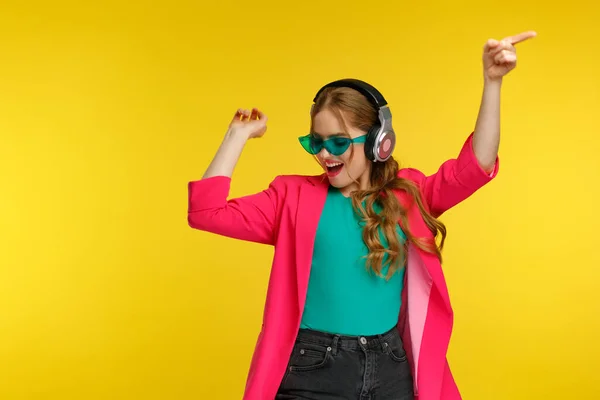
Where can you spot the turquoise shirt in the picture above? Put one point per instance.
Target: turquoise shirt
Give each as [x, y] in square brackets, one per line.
[344, 297]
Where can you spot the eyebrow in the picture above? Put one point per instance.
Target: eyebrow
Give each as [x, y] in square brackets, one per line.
[332, 135]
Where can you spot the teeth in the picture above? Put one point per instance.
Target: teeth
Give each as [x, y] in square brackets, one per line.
[332, 164]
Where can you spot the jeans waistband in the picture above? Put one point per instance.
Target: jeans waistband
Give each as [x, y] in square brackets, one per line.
[349, 342]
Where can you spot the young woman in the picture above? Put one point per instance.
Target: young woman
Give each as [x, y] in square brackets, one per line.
[357, 306]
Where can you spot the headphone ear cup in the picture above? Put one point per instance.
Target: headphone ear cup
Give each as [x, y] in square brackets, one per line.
[387, 143]
[379, 145]
[370, 150]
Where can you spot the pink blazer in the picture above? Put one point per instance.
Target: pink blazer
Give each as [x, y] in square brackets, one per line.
[286, 214]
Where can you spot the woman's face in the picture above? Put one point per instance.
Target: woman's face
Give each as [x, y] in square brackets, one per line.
[342, 170]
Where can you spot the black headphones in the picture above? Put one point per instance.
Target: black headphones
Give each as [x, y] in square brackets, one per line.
[381, 138]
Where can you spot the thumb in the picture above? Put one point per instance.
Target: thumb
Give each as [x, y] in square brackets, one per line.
[490, 45]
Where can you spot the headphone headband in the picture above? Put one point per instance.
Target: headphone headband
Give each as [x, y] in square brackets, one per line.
[367, 90]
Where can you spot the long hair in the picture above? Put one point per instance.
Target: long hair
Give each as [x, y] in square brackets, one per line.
[352, 108]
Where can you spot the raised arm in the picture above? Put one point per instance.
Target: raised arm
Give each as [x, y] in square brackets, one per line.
[477, 162]
[250, 218]
[499, 58]
[245, 125]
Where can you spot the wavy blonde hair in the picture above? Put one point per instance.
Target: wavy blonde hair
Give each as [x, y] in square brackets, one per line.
[352, 108]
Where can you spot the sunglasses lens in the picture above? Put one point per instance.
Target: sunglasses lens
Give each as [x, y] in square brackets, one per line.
[337, 146]
[311, 144]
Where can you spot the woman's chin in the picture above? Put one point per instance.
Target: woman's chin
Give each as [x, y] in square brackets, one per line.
[338, 182]
[344, 181]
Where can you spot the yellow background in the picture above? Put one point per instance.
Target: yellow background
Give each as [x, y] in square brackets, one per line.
[108, 110]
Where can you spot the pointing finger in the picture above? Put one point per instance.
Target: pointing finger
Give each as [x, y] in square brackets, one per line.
[521, 37]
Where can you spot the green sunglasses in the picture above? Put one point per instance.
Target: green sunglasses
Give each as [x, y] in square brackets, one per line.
[335, 145]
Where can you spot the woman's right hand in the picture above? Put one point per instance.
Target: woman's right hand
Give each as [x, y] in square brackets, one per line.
[251, 124]
[244, 125]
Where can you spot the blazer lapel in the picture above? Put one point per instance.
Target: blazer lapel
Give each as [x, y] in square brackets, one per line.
[429, 261]
[310, 205]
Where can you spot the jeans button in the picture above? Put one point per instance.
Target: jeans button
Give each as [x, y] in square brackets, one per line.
[363, 340]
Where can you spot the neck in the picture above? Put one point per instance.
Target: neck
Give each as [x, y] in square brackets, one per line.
[362, 183]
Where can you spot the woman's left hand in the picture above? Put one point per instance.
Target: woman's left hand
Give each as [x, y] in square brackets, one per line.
[500, 57]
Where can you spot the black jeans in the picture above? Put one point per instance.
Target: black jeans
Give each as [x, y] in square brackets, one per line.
[326, 367]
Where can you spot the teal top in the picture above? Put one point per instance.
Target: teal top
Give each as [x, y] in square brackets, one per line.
[344, 297]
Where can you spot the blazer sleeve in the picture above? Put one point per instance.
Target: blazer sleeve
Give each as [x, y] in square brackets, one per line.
[455, 180]
[251, 218]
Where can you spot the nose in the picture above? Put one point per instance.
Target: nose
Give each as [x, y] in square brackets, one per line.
[323, 153]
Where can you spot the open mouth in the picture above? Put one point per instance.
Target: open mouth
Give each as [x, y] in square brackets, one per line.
[333, 168]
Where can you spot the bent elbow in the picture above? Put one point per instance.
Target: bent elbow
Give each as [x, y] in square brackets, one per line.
[197, 220]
